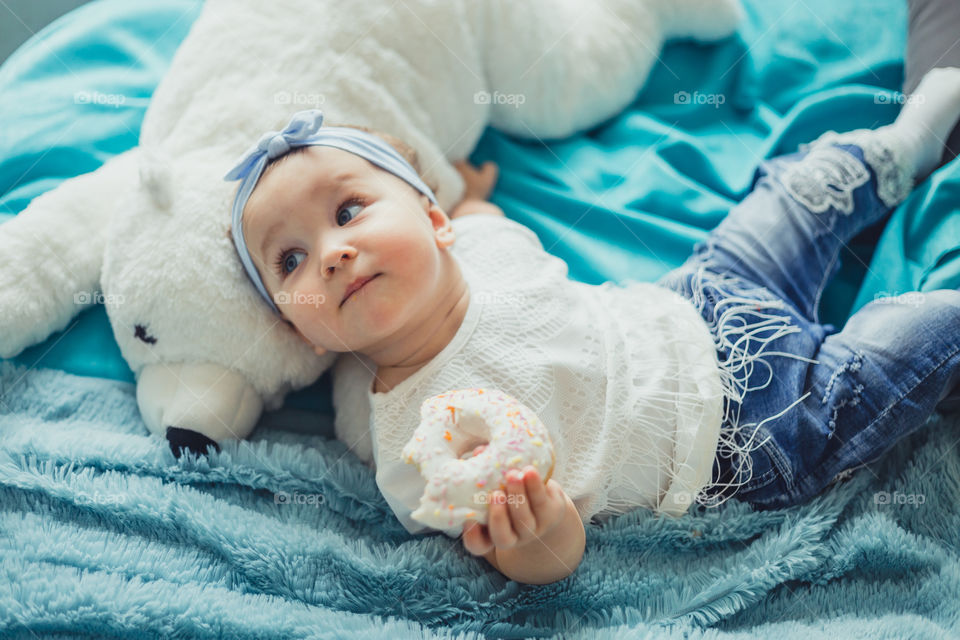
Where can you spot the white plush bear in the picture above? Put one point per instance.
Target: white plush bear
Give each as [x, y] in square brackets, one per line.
[150, 228]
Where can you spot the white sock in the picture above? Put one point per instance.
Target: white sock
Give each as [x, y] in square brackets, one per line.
[926, 120]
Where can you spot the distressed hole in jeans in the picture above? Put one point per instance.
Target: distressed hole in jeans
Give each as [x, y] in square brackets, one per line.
[849, 367]
[826, 177]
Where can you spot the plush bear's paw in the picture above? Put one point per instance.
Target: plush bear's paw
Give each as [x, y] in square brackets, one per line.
[25, 321]
[197, 443]
[701, 19]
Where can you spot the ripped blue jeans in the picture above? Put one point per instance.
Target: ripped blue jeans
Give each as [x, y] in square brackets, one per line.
[805, 405]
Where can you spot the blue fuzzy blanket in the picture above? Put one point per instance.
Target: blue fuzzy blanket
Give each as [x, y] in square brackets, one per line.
[104, 532]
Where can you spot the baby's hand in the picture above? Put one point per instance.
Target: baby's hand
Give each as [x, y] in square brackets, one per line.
[479, 186]
[528, 511]
[479, 182]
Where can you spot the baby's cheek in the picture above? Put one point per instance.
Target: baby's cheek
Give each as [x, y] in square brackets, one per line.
[305, 326]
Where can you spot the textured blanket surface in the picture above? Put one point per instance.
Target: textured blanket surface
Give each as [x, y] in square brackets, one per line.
[103, 532]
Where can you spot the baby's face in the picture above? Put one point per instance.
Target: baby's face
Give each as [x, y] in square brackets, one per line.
[324, 218]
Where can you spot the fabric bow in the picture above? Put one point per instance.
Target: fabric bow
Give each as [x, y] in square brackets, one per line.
[273, 144]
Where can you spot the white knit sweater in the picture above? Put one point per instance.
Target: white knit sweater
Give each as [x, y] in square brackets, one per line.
[625, 377]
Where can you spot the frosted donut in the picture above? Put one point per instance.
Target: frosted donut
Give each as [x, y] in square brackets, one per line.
[442, 447]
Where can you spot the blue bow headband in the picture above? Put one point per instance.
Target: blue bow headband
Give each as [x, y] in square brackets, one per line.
[303, 130]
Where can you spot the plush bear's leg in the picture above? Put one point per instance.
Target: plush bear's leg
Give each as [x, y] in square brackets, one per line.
[556, 67]
[52, 253]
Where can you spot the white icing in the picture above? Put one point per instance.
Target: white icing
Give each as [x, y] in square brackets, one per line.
[454, 423]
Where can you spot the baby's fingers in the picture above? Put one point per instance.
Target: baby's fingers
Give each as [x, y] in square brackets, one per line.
[501, 531]
[490, 171]
[547, 501]
[488, 177]
[536, 491]
[479, 183]
[476, 538]
[467, 170]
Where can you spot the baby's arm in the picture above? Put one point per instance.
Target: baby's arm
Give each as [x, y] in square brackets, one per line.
[534, 534]
[479, 185]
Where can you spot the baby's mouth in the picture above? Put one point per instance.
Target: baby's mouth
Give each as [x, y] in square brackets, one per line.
[353, 288]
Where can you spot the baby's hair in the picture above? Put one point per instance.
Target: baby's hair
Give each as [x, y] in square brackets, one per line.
[407, 152]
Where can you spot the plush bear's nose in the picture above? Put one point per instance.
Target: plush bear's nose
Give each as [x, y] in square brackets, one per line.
[181, 439]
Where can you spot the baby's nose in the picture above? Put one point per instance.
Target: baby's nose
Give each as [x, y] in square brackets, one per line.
[341, 258]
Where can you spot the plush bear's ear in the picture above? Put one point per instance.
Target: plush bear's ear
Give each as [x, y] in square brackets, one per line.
[155, 170]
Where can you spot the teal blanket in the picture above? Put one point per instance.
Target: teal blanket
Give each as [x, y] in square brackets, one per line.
[103, 532]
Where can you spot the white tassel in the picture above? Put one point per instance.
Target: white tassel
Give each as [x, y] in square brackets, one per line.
[737, 369]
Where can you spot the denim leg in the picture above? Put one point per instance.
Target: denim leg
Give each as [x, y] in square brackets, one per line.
[757, 280]
[895, 362]
[787, 233]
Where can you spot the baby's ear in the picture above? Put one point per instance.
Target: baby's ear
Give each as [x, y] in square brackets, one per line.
[442, 228]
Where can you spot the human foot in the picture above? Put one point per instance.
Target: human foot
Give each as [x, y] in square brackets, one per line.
[928, 116]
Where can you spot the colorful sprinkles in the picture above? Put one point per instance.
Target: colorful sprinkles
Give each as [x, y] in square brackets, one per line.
[455, 422]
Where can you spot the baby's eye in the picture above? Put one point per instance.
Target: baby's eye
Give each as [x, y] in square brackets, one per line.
[288, 262]
[347, 207]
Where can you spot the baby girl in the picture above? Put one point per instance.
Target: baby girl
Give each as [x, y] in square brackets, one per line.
[648, 389]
